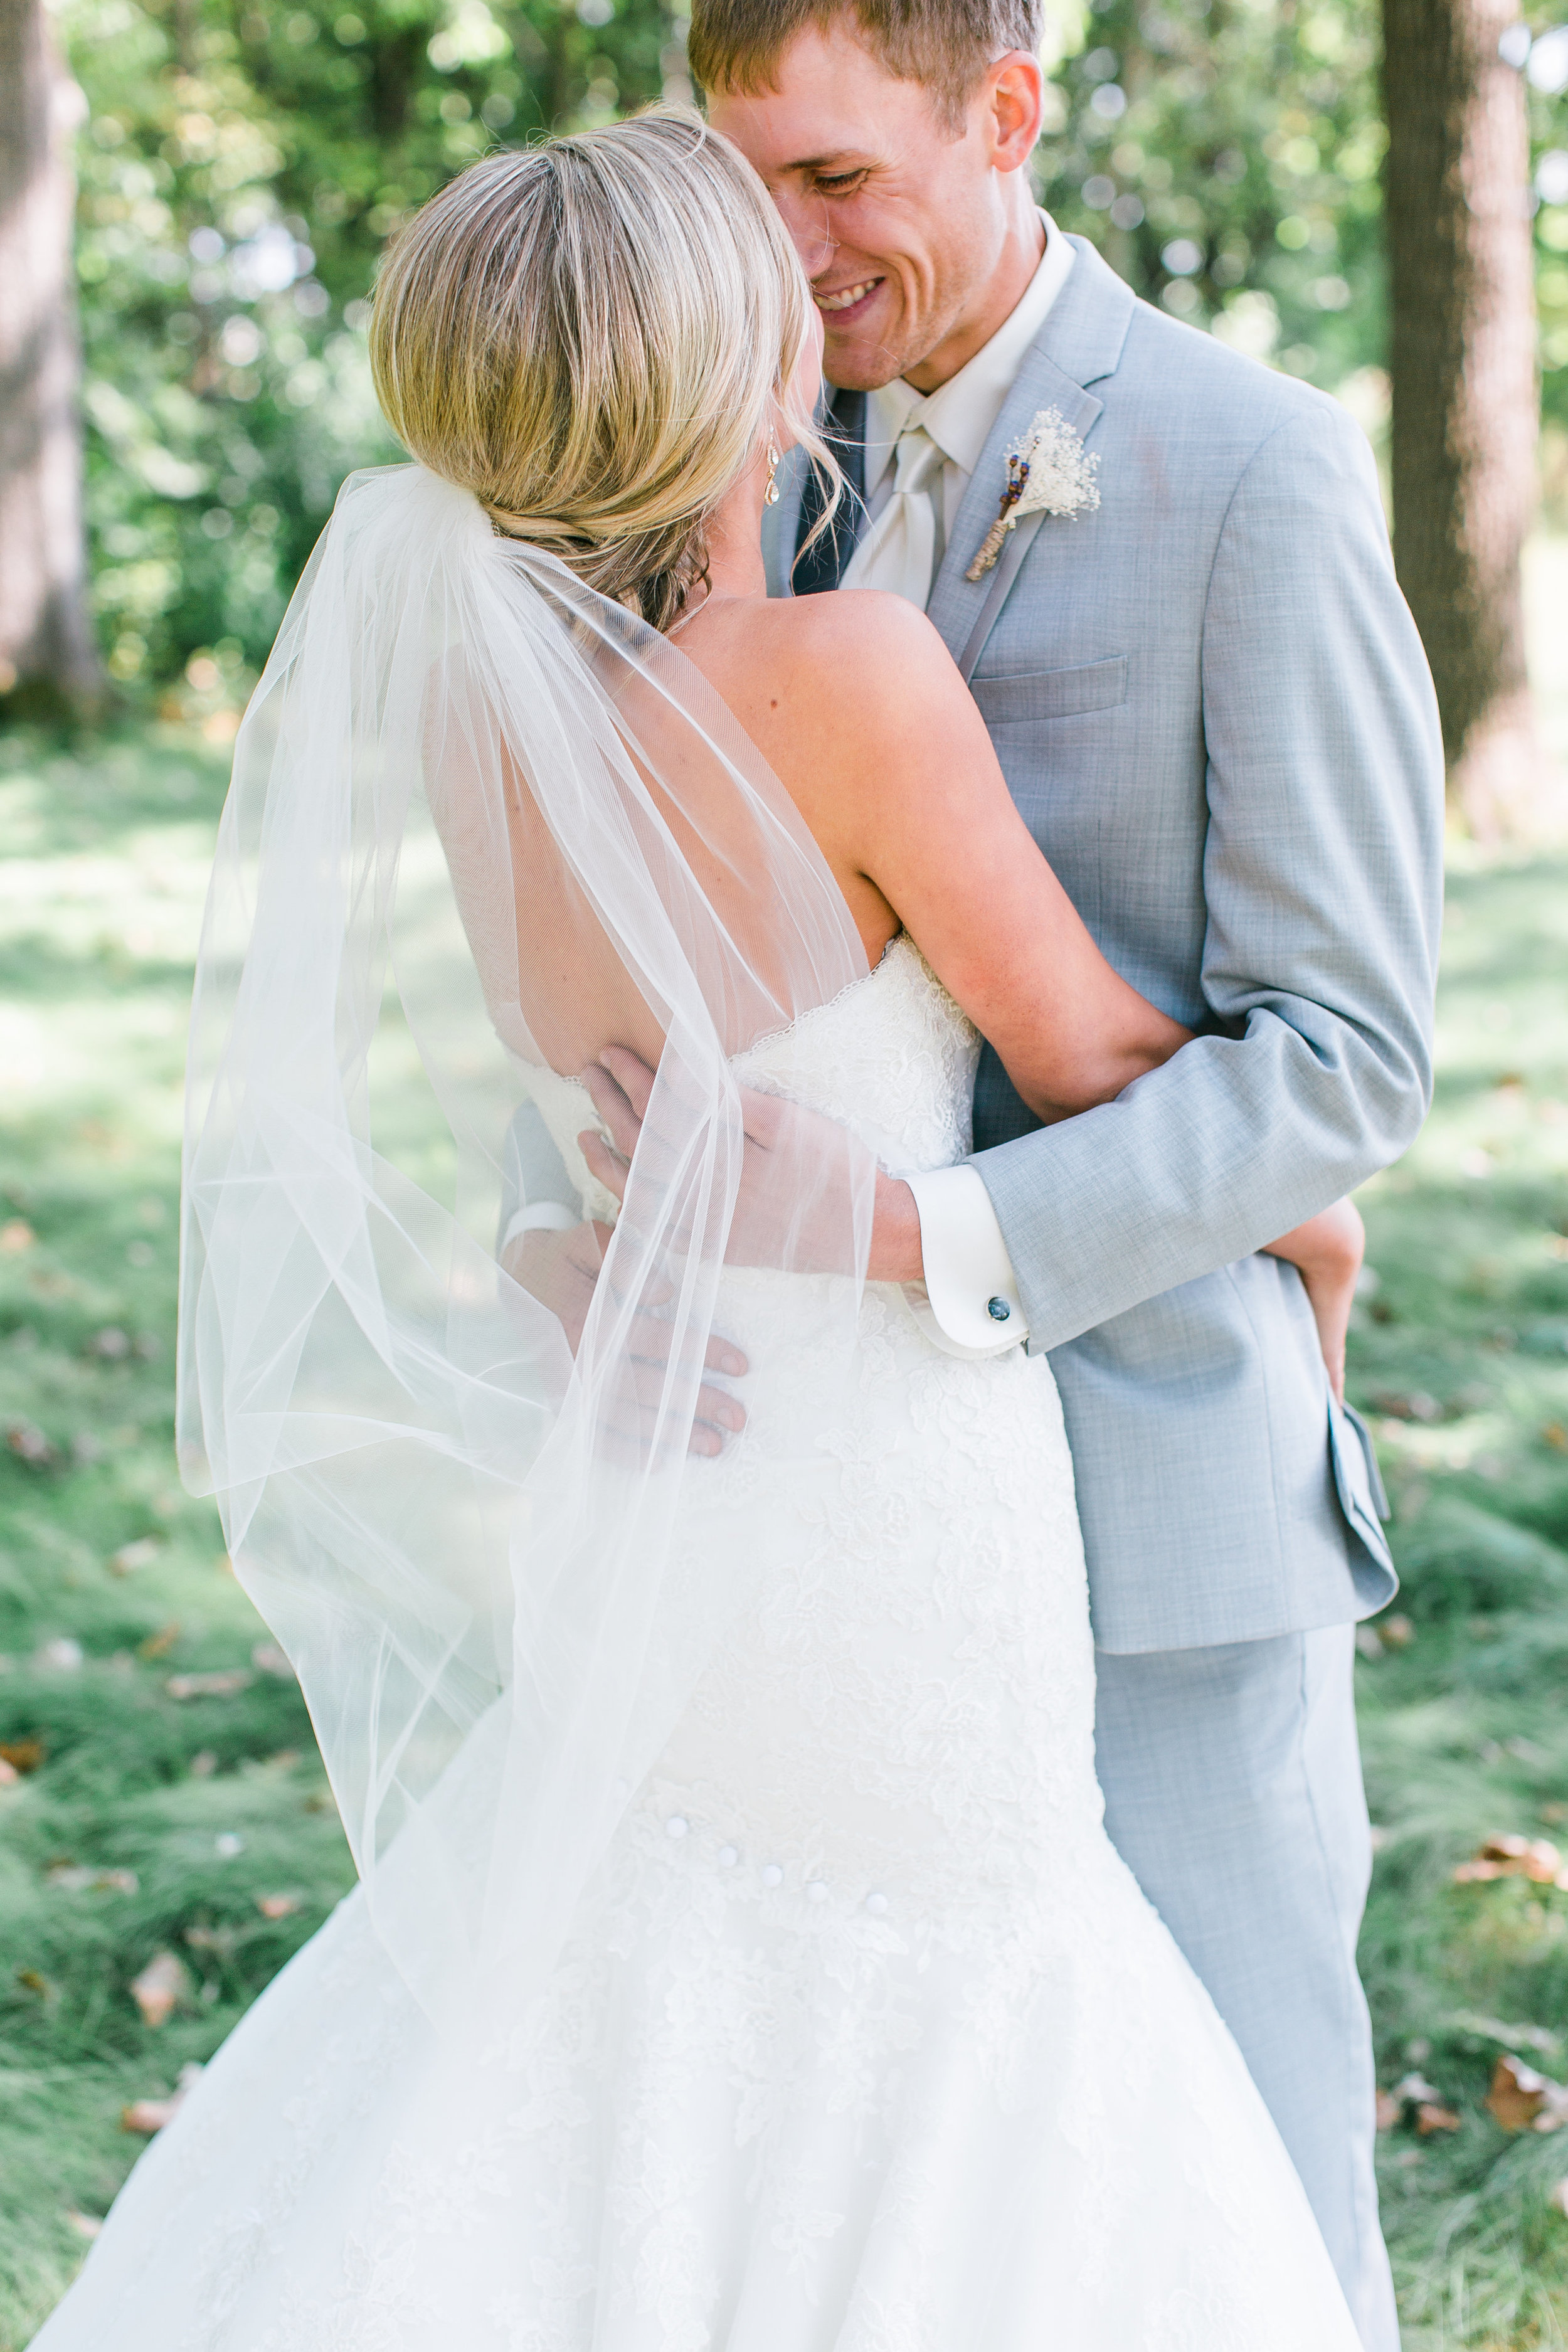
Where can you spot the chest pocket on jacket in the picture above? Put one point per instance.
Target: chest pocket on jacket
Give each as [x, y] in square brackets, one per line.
[1026, 696]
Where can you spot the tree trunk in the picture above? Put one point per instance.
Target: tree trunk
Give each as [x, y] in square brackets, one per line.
[46, 638]
[1466, 406]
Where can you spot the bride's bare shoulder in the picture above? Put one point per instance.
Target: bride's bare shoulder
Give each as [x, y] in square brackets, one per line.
[852, 626]
[830, 678]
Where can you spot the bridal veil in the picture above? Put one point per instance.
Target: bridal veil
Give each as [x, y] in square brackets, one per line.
[484, 823]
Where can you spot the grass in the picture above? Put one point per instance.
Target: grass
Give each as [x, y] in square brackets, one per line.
[112, 1583]
[1462, 1361]
[212, 1803]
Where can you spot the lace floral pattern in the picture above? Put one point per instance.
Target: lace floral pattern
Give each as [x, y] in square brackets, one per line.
[866, 2041]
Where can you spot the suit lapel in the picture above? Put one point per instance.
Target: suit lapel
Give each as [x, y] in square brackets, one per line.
[1079, 344]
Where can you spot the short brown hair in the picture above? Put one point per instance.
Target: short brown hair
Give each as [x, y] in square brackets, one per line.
[945, 44]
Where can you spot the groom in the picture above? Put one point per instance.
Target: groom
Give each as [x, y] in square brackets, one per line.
[1212, 711]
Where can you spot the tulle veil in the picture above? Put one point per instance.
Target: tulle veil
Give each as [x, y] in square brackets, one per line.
[480, 820]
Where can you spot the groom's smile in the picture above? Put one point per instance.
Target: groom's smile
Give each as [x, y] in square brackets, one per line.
[845, 299]
[916, 226]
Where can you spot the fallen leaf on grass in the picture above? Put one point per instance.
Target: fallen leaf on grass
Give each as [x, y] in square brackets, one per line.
[1400, 1407]
[268, 1659]
[1415, 2097]
[61, 1656]
[29, 1444]
[1556, 1436]
[162, 1983]
[220, 1942]
[86, 2225]
[221, 1684]
[80, 1877]
[150, 2115]
[15, 1236]
[1558, 2197]
[1513, 1857]
[159, 1644]
[1385, 1633]
[112, 1342]
[34, 1980]
[142, 1553]
[1521, 2100]
[279, 1906]
[9, 1776]
[22, 1755]
[204, 1764]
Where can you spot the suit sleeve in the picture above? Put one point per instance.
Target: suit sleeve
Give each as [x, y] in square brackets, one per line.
[532, 1171]
[1322, 877]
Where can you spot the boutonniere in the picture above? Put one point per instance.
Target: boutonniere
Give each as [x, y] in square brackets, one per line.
[1048, 472]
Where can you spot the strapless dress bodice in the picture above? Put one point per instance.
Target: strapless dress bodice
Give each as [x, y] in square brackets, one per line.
[892, 1057]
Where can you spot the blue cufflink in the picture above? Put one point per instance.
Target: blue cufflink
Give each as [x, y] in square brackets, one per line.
[999, 1309]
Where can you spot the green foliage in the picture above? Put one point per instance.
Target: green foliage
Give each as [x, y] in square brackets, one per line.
[240, 169]
[244, 160]
[1226, 156]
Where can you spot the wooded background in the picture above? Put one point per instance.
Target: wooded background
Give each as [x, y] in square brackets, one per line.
[1349, 195]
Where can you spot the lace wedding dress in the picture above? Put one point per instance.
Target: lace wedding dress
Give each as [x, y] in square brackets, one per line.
[871, 2042]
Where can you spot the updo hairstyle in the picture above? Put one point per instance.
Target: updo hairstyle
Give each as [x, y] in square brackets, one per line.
[594, 336]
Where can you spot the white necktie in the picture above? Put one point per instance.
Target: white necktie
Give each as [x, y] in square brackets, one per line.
[898, 551]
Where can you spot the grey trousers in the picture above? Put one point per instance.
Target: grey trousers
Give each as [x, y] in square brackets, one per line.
[1232, 1790]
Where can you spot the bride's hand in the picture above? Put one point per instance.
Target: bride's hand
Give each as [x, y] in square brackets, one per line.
[1327, 1252]
[794, 1208]
[562, 1269]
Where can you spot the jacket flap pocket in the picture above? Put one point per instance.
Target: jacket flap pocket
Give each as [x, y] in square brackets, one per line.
[1051, 693]
[1357, 1479]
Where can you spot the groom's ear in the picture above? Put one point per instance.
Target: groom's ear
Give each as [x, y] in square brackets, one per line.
[1011, 106]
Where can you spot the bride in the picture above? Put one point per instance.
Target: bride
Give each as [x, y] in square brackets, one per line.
[701, 1657]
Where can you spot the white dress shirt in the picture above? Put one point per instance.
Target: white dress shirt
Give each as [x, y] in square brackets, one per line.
[968, 1302]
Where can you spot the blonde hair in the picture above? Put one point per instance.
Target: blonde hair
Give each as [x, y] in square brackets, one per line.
[593, 335]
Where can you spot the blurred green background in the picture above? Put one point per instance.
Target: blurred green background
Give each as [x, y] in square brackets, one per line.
[242, 163]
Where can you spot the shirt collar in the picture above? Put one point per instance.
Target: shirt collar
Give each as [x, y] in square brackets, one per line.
[958, 414]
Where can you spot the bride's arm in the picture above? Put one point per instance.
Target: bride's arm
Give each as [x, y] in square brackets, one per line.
[923, 813]
[903, 790]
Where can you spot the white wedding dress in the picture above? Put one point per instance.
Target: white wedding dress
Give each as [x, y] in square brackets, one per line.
[871, 2042]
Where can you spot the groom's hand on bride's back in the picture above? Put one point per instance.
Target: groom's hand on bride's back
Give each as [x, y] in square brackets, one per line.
[562, 1270]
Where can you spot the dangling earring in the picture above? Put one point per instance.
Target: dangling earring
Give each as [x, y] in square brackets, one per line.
[772, 493]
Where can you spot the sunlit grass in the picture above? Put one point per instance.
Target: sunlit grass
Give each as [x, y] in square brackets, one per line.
[1462, 1364]
[100, 1549]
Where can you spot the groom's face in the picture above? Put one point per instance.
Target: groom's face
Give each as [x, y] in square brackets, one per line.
[900, 219]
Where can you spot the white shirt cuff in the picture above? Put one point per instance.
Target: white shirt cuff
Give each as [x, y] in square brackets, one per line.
[968, 1304]
[546, 1216]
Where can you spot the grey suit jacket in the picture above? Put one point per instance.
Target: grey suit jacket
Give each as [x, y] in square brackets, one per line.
[1212, 708]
